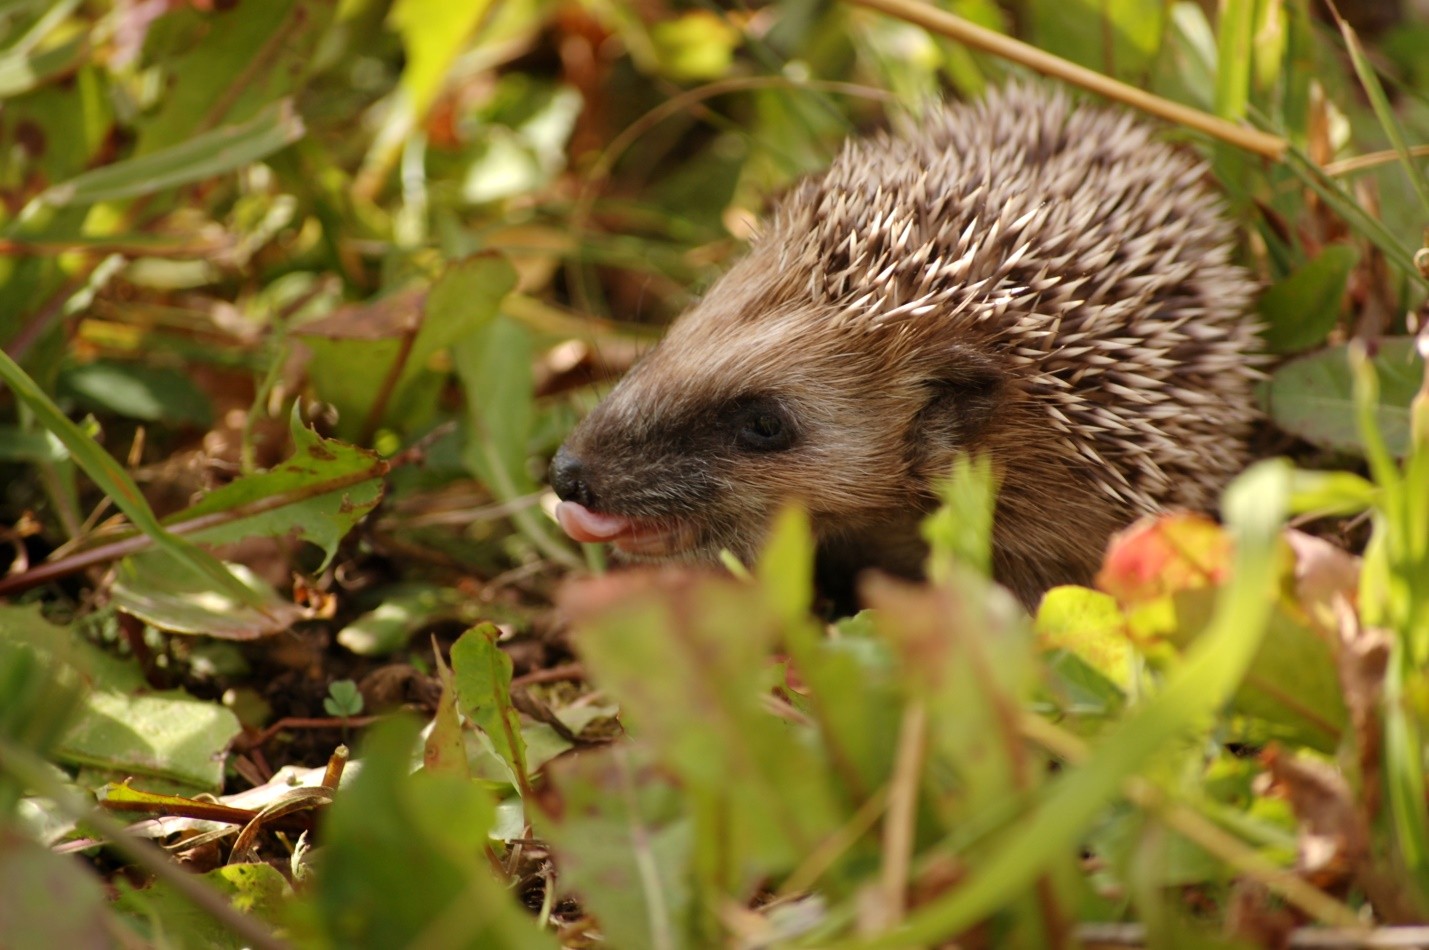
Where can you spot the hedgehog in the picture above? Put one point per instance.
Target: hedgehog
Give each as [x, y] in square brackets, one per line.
[1025, 278]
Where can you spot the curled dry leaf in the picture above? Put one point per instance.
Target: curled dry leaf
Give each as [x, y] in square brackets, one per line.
[1335, 844]
[1334, 836]
[1324, 575]
[1362, 661]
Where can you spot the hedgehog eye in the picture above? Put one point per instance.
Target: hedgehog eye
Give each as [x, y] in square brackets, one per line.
[763, 427]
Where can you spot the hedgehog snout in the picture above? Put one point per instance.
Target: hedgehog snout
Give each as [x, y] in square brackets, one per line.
[568, 479]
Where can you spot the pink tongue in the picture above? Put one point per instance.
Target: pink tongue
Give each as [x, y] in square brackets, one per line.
[582, 524]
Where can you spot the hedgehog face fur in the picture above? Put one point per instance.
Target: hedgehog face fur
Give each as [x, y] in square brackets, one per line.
[1043, 283]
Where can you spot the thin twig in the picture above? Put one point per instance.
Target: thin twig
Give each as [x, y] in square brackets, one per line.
[1359, 163]
[554, 674]
[901, 822]
[305, 722]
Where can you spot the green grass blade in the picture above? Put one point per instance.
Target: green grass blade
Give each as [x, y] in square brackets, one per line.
[1344, 204]
[203, 156]
[115, 482]
[1382, 110]
[1234, 28]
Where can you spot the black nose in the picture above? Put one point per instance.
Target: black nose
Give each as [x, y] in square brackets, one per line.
[568, 478]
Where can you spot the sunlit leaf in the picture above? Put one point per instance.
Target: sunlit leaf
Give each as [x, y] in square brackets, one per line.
[169, 736]
[170, 594]
[317, 494]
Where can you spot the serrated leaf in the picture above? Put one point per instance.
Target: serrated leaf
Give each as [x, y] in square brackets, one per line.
[445, 748]
[317, 494]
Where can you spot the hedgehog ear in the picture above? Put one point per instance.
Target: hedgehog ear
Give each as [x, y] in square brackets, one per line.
[963, 396]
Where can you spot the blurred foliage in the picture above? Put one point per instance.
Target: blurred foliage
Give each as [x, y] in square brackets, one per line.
[299, 297]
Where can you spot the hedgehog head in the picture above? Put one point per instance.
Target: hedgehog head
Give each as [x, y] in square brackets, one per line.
[1047, 286]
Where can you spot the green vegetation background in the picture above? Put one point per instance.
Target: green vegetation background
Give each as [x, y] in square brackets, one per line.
[300, 296]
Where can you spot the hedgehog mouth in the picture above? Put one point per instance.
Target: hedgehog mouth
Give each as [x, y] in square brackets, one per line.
[633, 536]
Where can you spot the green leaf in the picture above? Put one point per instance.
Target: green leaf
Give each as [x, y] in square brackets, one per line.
[1089, 625]
[1119, 37]
[1383, 111]
[169, 736]
[433, 34]
[162, 915]
[390, 823]
[786, 566]
[404, 610]
[445, 748]
[965, 654]
[24, 69]
[342, 699]
[495, 370]
[225, 64]
[206, 155]
[25, 625]
[169, 593]
[317, 494]
[1301, 309]
[1368, 225]
[43, 695]
[1313, 397]
[18, 445]
[1293, 686]
[1234, 29]
[150, 393]
[481, 673]
[697, 45]
[665, 650]
[960, 531]
[48, 900]
[1330, 493]
[621, 826]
